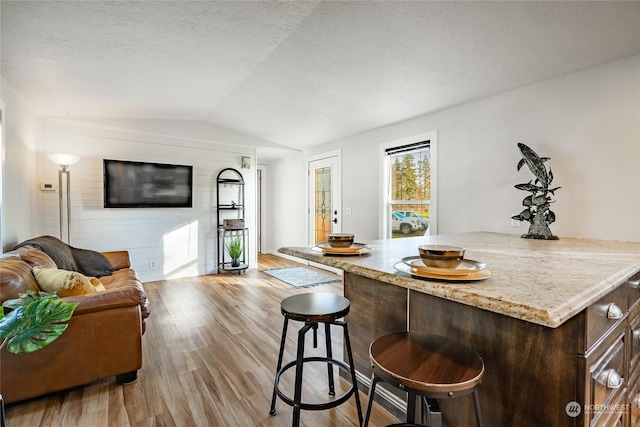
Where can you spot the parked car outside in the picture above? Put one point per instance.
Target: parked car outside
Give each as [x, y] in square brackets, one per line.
[424, 222]
[404, 225]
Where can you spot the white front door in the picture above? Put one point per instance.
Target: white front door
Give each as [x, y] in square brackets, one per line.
[324, 196]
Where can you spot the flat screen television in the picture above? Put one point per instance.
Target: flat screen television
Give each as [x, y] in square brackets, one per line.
[147, 185]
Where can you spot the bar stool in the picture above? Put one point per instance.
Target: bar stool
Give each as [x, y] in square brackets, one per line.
[426, 366]
[314, 308]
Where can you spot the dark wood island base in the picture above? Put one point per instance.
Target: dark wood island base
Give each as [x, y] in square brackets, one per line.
[530, 370]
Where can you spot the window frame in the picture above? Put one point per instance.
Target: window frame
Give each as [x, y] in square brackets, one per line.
[384, 230]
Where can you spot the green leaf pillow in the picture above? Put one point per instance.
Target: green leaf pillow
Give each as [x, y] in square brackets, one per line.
[32, 327]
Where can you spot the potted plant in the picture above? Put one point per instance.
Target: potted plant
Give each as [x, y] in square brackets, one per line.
[235, 249]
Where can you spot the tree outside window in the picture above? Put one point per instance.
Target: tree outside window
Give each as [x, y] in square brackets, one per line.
[410, 176]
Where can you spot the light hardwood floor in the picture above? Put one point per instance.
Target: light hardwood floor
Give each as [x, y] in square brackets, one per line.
[209, 357]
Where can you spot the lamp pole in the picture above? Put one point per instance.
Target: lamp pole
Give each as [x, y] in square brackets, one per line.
[64, 160]
[63, 171]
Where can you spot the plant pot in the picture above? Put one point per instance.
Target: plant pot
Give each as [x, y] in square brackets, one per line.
[235, 262]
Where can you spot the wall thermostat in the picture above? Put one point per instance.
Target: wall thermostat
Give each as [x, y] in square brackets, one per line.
[48, 186]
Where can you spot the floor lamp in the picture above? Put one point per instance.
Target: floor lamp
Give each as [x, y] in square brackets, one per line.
[64, 160]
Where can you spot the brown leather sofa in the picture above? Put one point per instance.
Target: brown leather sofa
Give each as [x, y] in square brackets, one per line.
[104, 337]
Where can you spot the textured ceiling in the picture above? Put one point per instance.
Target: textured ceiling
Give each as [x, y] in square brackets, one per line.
[296, 73]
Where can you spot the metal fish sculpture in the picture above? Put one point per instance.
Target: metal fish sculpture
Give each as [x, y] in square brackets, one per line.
[535, 164]
[537, 205]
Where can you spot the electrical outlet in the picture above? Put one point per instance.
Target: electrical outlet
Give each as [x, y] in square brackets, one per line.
[515, 223]
[152, 264]
[348, 211]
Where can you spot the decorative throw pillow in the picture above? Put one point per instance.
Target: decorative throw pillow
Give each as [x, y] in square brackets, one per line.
[66, 283]
[97, 284]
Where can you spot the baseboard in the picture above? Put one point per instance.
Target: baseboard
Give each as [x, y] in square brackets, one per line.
[289, 257]
[309, 263]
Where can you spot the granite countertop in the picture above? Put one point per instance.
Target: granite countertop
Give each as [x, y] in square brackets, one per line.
[539, 281]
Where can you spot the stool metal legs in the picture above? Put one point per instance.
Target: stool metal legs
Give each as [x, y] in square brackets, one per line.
[431, 411]
[297, 395]
[327, 335]
[296, 402]
[280, 354]
[429, 406]
[476, 404]
[372, 391]
[352, 368]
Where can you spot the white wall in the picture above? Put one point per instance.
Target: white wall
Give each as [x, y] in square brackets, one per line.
[27, 212]
[19, 168]
[287, 203]
[587, 122]
[183, 241]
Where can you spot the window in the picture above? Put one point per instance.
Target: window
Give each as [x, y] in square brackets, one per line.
[408, 188]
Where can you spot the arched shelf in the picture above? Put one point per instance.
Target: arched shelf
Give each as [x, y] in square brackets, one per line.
[230, 221]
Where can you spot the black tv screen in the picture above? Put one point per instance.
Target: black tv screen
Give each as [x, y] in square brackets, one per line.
[147, 185]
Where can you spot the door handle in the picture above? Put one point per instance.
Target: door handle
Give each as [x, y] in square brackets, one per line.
[335, 218]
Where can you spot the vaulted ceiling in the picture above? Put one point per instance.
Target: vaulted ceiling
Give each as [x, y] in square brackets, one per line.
[297, 73]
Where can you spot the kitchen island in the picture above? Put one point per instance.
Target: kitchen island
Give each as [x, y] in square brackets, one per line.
[541, 322]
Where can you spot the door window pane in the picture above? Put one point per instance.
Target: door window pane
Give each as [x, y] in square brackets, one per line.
[323, 204]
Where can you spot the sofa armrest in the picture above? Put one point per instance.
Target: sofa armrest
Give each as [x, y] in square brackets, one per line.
[118, 259]
[113, 298]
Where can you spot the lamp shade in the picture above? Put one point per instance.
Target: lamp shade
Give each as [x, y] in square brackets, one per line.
[63, 159]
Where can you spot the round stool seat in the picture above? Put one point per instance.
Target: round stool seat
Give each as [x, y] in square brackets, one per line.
[428, 367]
[427, 362]
[315, 307]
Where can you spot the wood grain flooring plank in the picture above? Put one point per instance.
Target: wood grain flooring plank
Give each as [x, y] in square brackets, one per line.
[209, 358]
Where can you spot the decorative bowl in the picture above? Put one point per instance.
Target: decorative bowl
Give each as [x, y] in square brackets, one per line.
[441, 256]
[340, 240]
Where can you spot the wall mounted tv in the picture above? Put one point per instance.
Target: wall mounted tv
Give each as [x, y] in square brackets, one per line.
[147, 185]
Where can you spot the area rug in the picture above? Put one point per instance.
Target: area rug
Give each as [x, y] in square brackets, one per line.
[301, 277]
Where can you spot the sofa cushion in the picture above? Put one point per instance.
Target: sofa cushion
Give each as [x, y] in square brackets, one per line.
[34, 257]
[66, 283]
[15, 278]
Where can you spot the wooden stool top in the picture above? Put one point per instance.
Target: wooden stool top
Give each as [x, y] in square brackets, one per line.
[315, 307]
[427, 362]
